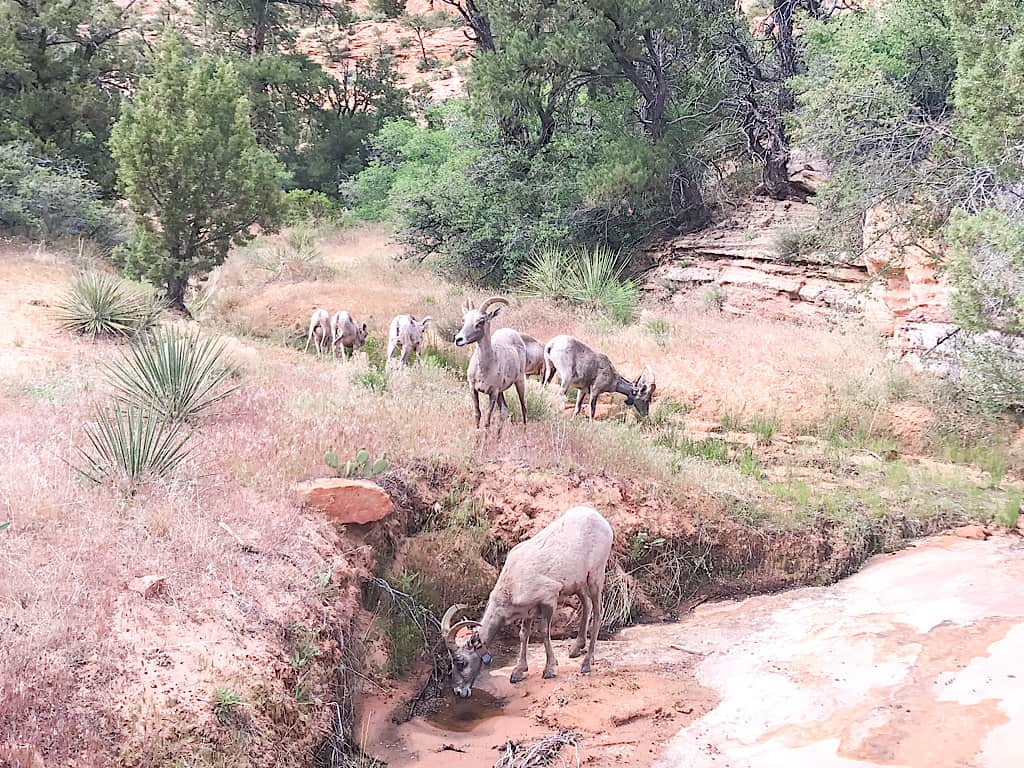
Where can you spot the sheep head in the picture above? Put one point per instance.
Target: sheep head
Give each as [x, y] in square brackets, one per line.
[643, 391]
[467, 650]
[475, 322]
[361, 333]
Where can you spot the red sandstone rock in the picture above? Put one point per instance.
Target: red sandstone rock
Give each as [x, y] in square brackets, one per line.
[346, 501]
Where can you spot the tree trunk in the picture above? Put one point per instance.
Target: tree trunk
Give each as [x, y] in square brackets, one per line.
[176, 287]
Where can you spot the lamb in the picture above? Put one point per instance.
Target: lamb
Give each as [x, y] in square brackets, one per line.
[534, 356]
[406, 334]
[568, 557]
[345, 331]
[499, 361]
[592, 374]
[319, 332]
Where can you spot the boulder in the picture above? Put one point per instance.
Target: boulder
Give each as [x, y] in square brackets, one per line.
[976, 532]
[147, 586]
[346, 501]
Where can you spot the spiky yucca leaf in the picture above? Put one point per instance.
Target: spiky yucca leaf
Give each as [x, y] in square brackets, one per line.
[98, 304]
[179, 375]
[132, 443]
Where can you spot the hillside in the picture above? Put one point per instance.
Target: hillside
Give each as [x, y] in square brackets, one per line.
[788, 453]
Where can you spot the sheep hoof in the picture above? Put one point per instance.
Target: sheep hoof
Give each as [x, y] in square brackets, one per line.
[548, 674]
[585, 669]
[517, 677]
[575, 653]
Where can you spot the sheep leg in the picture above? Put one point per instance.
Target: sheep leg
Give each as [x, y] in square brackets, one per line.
[521, 391]
[581, 639]
[490, 411]
[476, 405]
[524, 639]
[596, 595]
[309, 338]
[593, 404]
[579, 403]
[547, 612]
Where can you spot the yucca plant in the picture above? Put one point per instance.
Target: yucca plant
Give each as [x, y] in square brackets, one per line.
[99, 304]
[594, 279]
[130, 444]
[598, 280]
[178, 375]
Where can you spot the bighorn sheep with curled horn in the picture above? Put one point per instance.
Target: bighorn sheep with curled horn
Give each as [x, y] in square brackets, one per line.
[593, 374]
[346, 332]
[319, 332]
[406, 334]
[568, 557]
[499, 361]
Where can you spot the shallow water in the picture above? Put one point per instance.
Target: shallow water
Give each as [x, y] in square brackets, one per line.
[461, 715]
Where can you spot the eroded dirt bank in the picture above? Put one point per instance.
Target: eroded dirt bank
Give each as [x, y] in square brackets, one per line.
[910, 662]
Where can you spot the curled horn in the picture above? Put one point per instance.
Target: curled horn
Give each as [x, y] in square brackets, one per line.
[453, 631]
[494, 300]
[426, 320]
[446, 620]
[648, 375]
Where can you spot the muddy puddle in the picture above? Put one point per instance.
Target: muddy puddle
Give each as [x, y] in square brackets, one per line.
[461, 715]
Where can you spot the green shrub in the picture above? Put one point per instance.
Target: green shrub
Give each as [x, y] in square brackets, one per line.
[1010, 513]
[792, 243]
[177, 375]
[714, 298]
[765, 427]
[98, 304]
[225, 704]
[42, 198]
[308, 205]
[593, 279]
[130, 444]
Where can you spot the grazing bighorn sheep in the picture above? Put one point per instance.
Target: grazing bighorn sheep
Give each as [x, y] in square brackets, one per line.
[499, 361]
[406, 334]
[593, 374]
[534, 356]
[319, 331]
[568, 557]
[345, 331]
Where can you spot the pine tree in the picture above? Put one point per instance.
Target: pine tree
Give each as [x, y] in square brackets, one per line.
[188, 163]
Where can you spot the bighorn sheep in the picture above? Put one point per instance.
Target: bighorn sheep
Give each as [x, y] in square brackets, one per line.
[345, 331]
[568, 557]
[499, 361]
[534, 356]
[319, 331]
[406, 334]
[593, 374]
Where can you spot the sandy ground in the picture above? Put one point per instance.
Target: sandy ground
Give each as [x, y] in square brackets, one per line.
[913, 662]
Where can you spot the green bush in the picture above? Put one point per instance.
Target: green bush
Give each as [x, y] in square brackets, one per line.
[177, 375]
[43, 198]
[593, 279]
[99, 304]
[308, 205]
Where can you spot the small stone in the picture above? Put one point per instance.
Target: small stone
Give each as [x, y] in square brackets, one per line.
[346, 501]
[975, 532]
[148, 586]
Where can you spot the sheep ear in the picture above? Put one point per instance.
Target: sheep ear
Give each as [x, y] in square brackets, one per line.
[467, 305]
[364, 326]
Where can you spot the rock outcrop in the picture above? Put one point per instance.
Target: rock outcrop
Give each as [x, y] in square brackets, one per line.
[346, 501]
